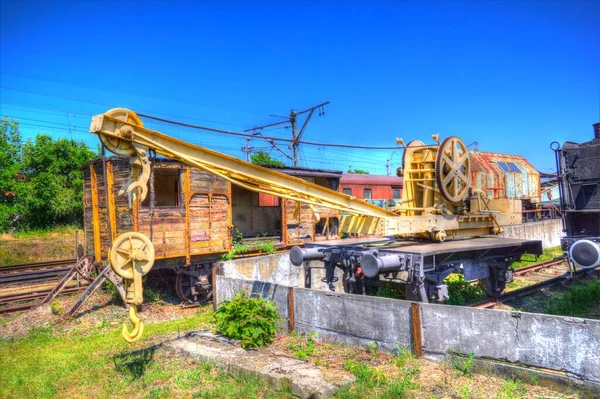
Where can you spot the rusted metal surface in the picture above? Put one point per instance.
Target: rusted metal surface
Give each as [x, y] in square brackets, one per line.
[415, 316]
[504, 176]
[291, 320]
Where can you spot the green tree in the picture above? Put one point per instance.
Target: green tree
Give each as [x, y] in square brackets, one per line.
[263, 159]
[54, 180]
[11, 158]
[358, 171]
[41, 184]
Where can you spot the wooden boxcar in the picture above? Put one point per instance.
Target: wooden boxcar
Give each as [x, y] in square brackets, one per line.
[196, 215]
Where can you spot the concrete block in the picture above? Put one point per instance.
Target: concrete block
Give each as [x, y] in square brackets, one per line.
[278, 269]
[483, 332]
[560, 343]
[353, 319]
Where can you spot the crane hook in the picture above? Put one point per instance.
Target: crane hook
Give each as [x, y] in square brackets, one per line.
[138, 326]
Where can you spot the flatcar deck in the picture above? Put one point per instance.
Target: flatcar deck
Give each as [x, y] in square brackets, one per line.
[427, 248]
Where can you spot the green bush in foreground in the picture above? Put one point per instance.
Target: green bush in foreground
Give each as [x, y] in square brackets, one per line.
[251, 320]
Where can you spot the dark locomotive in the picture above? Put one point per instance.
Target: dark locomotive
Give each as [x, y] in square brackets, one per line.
[578, 170]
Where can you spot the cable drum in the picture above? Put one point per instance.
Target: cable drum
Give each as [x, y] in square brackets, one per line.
[585, 253]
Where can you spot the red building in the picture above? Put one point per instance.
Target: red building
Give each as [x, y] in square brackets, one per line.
[373, 187]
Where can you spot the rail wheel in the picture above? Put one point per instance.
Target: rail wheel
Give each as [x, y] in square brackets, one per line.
[193, 284]
[114, 144]
[453, 170]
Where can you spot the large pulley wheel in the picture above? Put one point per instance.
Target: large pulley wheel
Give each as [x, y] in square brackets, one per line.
[453, 170]
[129, 251]
[114, 144]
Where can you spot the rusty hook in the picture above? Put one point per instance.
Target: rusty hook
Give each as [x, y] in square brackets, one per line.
[138, 326]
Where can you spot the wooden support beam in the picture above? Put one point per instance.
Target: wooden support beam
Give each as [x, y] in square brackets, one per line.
[187, 197]
[415, 314]
[291, 320]
[214, 285]
[112, 214]
[95, 215]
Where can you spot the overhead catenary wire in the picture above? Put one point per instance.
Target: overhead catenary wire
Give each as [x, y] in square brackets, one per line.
[239, 134]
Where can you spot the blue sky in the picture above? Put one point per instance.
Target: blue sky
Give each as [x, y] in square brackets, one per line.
[512, 76]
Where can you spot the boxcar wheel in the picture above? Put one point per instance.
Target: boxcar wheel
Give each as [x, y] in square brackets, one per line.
[194, 285]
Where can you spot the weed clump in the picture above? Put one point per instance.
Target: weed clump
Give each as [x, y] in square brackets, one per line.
[250, 320]
[56, 307]
[302, 348]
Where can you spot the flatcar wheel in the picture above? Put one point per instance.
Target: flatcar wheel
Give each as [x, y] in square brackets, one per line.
[493, 287]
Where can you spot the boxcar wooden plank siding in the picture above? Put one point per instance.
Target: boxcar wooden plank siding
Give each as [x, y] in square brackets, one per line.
[198, 220]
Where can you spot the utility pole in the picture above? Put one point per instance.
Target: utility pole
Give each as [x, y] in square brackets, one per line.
[295, 145]
[292, 119]
[247, 149]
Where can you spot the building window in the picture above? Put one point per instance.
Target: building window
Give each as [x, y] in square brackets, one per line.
[347, 191]
[367, 193]
[514, 167]
[166, 188]
[504, 166]
[396, 193]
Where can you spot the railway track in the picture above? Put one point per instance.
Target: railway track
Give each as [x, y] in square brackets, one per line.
[532, 288]
[53, 264]
[23, 286]
[18, 303]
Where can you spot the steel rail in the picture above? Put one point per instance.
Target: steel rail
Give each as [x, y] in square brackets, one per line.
[33, 266]
[530, 289]
[538, 266]
[30, 297]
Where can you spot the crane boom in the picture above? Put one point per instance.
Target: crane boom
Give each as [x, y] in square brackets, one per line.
[122, 131]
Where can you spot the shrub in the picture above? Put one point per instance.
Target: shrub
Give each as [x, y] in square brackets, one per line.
[251, 320]
[462, 292]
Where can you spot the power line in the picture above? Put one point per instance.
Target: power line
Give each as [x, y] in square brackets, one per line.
[266, 137]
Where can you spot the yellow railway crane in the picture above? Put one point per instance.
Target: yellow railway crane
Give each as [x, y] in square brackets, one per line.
[437, 201]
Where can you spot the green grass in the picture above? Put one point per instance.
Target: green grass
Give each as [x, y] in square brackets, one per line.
[579, 300]
[547, 254]
[101, 364]
[42, 233]
[372, 383]
[38, 245]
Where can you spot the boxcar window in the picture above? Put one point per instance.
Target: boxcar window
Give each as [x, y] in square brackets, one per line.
[347, 191]
[367, 193]
[514, 167]
[166, 188]
[396, 193]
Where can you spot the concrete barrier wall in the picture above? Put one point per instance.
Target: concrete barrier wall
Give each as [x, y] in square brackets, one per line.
[277, 268]
[551, 342]
[549, 231]
[353, 319]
